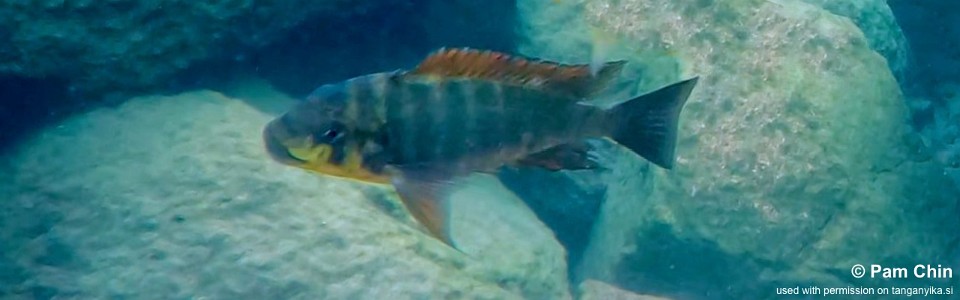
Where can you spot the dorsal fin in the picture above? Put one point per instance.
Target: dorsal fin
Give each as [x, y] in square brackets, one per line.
[573, 80]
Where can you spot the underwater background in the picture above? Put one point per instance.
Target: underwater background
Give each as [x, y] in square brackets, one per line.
[822, 134]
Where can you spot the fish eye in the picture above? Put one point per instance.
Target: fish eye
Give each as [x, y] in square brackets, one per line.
[331, 134]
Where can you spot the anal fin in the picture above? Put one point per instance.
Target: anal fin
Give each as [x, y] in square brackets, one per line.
[571, 156]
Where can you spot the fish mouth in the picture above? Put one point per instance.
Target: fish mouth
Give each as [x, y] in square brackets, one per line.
[277, 150]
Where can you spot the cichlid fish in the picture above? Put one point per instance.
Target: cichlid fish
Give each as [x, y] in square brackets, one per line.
[462, 111]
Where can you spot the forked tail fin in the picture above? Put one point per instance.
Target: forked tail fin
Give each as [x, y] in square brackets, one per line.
[647, 124]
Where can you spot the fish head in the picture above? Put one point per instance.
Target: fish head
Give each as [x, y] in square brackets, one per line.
[316, 136]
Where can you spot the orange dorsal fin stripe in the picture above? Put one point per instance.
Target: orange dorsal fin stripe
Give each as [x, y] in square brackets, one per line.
[573, 80]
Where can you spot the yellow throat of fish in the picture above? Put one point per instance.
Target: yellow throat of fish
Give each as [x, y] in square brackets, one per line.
[317, 159]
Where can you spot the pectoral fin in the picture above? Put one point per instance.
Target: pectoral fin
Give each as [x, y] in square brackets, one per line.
[425, 195]
[572, 156]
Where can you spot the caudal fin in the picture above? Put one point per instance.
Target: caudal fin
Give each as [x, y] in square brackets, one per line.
[647, 124]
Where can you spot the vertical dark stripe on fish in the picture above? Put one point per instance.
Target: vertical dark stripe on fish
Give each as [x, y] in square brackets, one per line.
[484, 117]
[407, 121]
[455, 121]
[468, 116]
[493, 122]
[396, 95]
[379, 87]
[509, 131]
[421, 128]
[527, 116]
[545, 126]
[438, 125]
[555, 119]
[351, 113]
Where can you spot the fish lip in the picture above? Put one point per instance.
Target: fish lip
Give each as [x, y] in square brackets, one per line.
[277, 151]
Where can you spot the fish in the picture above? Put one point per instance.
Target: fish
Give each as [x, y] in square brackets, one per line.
[462, 111]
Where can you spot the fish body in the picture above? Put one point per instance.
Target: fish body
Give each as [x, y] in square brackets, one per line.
[470, 125]
[466, 111]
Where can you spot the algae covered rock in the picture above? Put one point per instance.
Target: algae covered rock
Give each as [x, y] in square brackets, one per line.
[879, 25]
[791, 166]
[128, 44]
[173, 197]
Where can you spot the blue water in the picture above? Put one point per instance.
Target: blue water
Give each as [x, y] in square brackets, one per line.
[109, 192]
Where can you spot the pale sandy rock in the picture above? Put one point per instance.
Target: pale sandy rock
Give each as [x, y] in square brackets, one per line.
[173, 197]
[596, 290]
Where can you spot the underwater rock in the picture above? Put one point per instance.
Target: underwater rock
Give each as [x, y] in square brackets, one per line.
[934, 31]
[175, 197]
[596, 290]
[103, 46]
[879, 25]
[933, 90]
[791, 165]
[940, 138]
[571, 219]
[395, 34]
